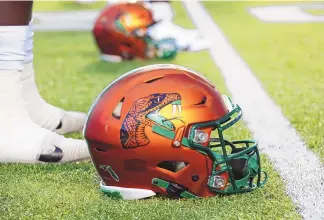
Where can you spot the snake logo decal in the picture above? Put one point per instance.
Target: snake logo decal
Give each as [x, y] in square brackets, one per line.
[145, 112]
[128, 22]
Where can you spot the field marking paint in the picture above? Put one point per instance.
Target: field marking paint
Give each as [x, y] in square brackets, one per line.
[65, 21]
[300, 168]
[287, 13]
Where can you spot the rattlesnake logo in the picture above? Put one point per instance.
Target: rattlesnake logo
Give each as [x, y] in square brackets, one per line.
[129, 23]
[145, 112]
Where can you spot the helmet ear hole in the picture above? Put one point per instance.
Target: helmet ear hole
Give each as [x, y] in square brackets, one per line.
[100, 149]
[127, 44]
[126, 55]
[173, 166]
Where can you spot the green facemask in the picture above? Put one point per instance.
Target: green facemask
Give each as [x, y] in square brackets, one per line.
[242, 164]
[164, 49]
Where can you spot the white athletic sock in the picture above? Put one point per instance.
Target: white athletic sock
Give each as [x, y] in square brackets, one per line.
[12, 43]
[21, 140]
[17, 144]
[41, 112]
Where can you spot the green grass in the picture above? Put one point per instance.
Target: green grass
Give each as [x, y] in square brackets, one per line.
[70, 75]
[315, 11]
[287, 59]
[40, 6]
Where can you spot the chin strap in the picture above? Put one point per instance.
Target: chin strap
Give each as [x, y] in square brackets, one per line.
[239, 183]
[173, 189]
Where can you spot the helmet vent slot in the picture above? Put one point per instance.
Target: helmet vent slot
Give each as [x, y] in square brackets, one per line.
[203, 101]
[100, 150]
[117, 110]
[154, 79]
[173, 166]
[127, 44]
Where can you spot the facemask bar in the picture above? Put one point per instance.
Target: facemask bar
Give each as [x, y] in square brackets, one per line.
[250, 153]
[164, 49]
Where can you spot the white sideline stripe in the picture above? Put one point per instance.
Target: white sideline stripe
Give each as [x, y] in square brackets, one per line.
[300, 169]
[285, 13]
[65, 20]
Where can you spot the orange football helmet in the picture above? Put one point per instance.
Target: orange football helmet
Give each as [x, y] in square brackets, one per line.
[151, 131]
[121, 33]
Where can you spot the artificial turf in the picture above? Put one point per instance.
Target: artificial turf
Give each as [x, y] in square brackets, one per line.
[43, 6]
[315, 11]
[288, 61]
[70, 75]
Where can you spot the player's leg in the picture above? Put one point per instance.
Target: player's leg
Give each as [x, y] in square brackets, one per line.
[21, 140]
[42, 113]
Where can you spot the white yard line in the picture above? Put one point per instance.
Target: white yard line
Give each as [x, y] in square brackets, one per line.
[300, 169]
[287, 13]
[65, 21]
